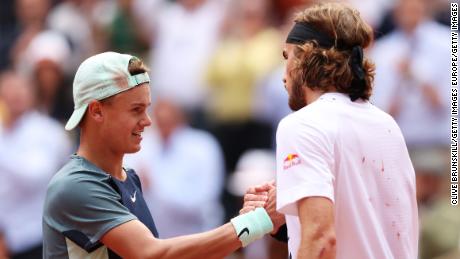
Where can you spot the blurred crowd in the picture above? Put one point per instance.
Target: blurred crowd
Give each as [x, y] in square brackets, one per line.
[216, 69]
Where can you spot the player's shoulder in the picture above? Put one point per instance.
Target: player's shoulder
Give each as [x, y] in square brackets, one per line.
[77, 176]
[319, 113]
[381, 115]
[78, 169]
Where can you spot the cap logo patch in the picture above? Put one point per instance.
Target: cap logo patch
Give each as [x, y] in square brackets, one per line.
[121, 81]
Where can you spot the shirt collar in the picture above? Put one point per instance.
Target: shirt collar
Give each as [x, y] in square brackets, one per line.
[335, 96]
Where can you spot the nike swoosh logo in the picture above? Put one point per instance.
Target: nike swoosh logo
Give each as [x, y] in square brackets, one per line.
[244, 230]
[133, 198]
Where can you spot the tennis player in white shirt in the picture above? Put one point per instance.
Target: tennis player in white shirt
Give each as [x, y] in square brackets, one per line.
[345, 182]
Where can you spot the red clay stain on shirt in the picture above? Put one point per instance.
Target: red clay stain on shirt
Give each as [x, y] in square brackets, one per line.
[398, 235]
[363, 160]
[383, 168]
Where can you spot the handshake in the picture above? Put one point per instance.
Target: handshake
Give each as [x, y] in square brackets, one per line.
[264, 196]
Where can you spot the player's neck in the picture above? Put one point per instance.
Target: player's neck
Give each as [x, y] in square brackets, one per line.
[101, 156]
[311, 95]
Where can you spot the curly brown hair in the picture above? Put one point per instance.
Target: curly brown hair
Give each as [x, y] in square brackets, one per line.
[328, 69]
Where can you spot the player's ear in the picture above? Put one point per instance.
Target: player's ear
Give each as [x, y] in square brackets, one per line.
[95, 110]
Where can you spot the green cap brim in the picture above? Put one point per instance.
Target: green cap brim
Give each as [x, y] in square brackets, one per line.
[76, 117]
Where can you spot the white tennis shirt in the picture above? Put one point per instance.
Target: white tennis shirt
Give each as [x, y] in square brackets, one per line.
[355, 155]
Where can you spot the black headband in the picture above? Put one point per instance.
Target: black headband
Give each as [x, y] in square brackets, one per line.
[302, 32]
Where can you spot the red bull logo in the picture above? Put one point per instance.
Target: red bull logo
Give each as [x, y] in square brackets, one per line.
[290, 161]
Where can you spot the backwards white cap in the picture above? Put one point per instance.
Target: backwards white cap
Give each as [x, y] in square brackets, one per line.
[100, 77]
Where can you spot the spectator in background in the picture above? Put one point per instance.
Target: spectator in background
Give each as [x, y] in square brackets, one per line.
[412, 79]
[9, 31]
[255, 167]
[372, 11]
[439, 220]
[283, 8]
[98, 25]
[182, 172]
[32, 148]
[77, 20]
[249, 51]
[439, 10]
[122, 33]
[2, 110]
[431, 168]
[183, 35]
[45, 62]
[270, 101]
[440, 229]
[31, 15]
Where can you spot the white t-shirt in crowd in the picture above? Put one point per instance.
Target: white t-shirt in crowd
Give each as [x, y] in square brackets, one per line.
[182, 179]
[355, 155]
[426, 51]
[30, 153]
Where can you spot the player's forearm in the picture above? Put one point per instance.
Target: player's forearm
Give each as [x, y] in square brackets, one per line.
[318, 237]
[134, 240]
[317, 246]
[221, 241]
[216, 243]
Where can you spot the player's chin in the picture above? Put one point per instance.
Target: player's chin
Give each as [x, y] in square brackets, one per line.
[133, 148]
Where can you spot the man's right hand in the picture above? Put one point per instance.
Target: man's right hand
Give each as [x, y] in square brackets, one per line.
[264, 196]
